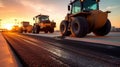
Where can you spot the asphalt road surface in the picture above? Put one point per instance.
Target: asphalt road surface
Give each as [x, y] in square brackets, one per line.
[113, 38]
[40, 51]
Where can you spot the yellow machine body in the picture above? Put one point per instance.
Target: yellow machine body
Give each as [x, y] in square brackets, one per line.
[97, 19]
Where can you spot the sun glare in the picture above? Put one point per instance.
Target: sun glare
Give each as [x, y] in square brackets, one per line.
[8, 26]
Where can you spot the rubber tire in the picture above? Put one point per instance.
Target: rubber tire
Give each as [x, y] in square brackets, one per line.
[25, 31]
[46, 31]
[51, 30]
[37, 29]
[79, 27]
[33, 30]
[21, 30]
[64, 28]
[104, 30]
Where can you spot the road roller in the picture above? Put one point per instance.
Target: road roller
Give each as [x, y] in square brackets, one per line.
[43, 23]
[84, 17]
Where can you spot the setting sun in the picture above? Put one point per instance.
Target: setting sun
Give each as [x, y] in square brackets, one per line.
[8, 26]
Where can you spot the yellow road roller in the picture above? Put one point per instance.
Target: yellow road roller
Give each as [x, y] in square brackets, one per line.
[85, 17]
[43, 23]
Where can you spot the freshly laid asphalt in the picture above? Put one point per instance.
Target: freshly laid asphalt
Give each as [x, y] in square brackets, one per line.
[38, 51]
[7, 58]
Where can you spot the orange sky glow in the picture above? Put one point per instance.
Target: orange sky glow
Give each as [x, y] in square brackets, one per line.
[25, 10]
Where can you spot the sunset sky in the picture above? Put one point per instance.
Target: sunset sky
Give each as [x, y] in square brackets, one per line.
[25, 10]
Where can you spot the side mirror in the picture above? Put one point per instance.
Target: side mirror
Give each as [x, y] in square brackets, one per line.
[108, 11]
[68, 7]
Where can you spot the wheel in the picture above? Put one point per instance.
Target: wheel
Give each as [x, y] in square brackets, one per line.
[51, 30]
[33, 30]
[25, 31]
[64, 28]
[79, 27]
[21, 30]
[104, 30]
[37, 29]
[46, 31]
